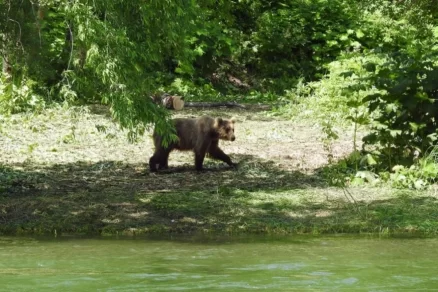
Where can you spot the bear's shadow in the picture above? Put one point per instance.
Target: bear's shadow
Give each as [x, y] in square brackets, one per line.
[191, 169]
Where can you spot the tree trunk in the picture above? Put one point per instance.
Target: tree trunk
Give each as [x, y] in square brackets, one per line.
[6, 66]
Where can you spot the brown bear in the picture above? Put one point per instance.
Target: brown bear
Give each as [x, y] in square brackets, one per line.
[200, 135]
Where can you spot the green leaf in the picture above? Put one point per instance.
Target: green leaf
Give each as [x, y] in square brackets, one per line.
[430, 169]
[395, 133]
[432, 137]
[391, 107]
[344, 37]
[359, 33]
[415, 127]
[371, 160]
[199, 51]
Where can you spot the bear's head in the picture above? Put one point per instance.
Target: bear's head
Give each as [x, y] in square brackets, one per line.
[225, 128]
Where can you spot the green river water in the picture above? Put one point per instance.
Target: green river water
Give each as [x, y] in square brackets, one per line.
[295, 263]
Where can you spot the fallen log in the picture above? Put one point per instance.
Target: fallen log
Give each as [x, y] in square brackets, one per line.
[228, 104]
[174, 102]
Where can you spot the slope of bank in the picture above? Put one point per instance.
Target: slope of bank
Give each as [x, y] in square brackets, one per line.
[74, 172]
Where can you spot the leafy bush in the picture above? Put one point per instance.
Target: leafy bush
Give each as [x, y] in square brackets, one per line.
[192, 91]
[21, 97]
[338, 96]
[93, 50]
[406, 102]
[307, 34]
[388, 84]
[205, 91]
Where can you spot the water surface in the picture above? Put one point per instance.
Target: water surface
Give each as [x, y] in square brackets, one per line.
[274, 264]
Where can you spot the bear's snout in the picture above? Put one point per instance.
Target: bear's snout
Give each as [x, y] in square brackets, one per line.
[233, 138]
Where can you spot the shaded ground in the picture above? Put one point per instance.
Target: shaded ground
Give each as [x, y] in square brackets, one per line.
[62, 173]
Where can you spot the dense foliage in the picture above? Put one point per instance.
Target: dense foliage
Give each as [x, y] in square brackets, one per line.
[106, 51]
[388, 83]
[372, 62]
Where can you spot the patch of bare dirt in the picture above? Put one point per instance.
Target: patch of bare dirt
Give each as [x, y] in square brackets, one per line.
[89, 136]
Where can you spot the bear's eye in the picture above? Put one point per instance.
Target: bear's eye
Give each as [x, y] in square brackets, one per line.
[227, 130]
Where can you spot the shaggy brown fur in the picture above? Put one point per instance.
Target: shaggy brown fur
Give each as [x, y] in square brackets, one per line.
[200, 135]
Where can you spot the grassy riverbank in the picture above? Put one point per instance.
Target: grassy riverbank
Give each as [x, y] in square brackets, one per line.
[74, 172]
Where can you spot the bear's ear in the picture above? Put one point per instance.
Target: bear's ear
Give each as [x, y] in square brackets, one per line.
[233, 120]
[218, 122]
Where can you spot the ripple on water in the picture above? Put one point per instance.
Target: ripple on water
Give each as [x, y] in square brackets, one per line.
[408, 280]
[320, 273]
[267, 267]
[348, 281]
